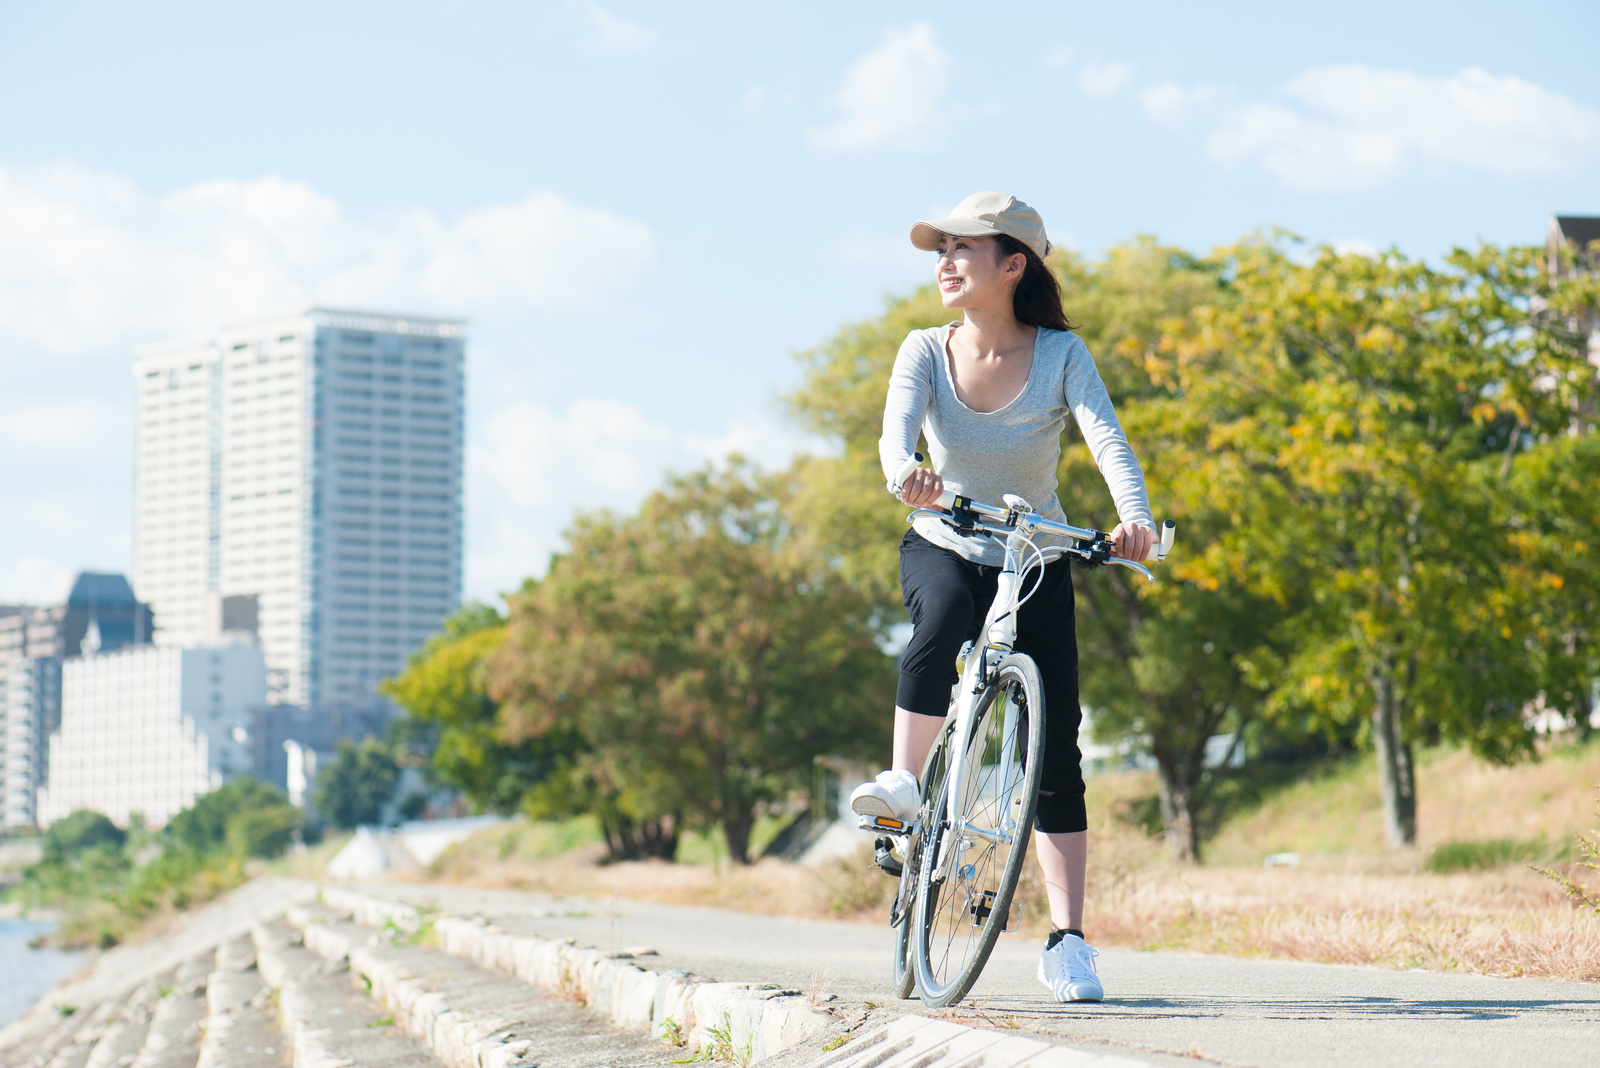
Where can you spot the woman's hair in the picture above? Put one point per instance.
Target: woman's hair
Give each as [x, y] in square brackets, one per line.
[1037, 299]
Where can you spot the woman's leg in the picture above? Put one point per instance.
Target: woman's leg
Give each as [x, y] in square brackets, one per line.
[914, 735]
[942, 594]
[938, 587]
[1046, 631]
[1065, 860]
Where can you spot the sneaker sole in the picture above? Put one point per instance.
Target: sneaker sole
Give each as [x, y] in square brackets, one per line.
[873, 806]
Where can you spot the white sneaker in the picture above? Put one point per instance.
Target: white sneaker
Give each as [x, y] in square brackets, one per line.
[893, 794]
[1068, 970]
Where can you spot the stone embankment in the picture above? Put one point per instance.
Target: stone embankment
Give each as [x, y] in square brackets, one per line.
[288, 973]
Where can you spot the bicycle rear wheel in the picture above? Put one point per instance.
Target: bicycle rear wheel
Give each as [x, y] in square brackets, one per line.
[973, 850]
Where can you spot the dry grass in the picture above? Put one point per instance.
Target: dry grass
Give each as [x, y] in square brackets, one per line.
[1459, 799]
[1349, 902]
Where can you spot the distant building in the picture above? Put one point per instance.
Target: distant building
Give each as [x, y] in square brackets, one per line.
[1574, 233]
[145, 730]
[288, 742]
[312, 460]
[102, 613]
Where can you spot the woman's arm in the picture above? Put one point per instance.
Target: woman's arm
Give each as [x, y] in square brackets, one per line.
[910, 393]
[1091, 407]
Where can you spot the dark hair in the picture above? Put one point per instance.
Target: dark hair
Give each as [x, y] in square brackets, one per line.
[1037, 299]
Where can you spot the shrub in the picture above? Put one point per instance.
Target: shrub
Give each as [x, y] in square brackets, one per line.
[263, 832]
[1494, 853]
[80, 832]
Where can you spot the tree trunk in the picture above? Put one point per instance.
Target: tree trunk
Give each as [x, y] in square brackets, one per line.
[1397, 780]
[658, 837]
[736, 828]
[1178, 802]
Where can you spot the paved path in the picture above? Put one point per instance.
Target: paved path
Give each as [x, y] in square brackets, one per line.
[1163, 1008]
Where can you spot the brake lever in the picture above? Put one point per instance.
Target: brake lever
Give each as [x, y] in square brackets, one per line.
[1145, 571]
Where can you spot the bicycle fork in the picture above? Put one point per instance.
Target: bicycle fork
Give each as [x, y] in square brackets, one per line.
[966, 752]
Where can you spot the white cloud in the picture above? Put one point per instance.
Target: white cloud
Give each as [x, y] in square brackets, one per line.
[1349, 127]
[1171, 104]
[1105, 79]
[605, 33]
[531, 467]
[89, 260]
[894, 95]
[35, 579]
[90, 265]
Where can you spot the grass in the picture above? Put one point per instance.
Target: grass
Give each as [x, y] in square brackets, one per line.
[1495, 853]
[1465, 900]
[1335, 810]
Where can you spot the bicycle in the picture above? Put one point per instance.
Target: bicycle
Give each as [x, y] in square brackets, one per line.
[962, 855]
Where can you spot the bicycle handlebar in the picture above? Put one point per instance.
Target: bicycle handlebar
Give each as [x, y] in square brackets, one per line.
[967, 516]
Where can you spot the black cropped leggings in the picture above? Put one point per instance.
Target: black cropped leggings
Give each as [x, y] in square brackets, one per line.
[948, 598]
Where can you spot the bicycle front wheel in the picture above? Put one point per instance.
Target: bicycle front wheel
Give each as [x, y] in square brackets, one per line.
[974, 846]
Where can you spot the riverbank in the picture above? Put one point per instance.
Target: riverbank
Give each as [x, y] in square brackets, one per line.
[29, 973]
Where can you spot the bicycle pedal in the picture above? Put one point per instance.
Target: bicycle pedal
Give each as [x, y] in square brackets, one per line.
[884, 823]
[883, 856]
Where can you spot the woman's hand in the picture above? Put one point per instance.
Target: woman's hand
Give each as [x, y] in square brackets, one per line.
[1132, 541]
[922, 489]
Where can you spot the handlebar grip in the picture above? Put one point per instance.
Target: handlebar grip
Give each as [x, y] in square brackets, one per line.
[906, 468]
[1169, 533]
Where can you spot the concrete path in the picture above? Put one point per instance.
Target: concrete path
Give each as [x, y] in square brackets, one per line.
[1162, 1008]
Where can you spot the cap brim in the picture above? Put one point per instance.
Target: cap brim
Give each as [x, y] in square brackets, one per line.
[926, 235]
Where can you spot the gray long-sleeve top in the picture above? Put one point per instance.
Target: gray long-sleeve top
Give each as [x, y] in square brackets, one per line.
[1015, 449]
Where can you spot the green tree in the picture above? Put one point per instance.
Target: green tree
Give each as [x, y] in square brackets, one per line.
[1175, 664]
[444, 691]
[1363, 416]
[702, 659]
[249, 817]
[353, 788]
[263, 832]
[83, 830]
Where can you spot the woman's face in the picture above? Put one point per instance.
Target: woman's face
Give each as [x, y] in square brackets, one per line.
[970, 271]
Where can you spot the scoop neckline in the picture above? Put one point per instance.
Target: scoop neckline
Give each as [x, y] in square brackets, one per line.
[950, 380]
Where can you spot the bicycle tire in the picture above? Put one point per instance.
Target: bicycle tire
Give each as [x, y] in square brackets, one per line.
[961, 897]
[903, 908]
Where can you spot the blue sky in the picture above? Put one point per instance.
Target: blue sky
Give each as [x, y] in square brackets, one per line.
[645, 210]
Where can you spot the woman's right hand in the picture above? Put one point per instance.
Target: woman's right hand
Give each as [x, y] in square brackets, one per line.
[922, 489]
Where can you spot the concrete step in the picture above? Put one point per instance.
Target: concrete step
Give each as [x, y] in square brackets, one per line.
[241, 1018]
[70, 1044]
[754, 1021]
[124, 1038]
[470, 1016]
[173, 1039]
[326, 1020]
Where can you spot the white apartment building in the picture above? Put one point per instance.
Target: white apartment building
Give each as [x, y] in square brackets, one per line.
[148, 729]
[311, 458]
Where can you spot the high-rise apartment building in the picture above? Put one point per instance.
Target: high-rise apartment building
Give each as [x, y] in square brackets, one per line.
[100, 613]
[313, 459]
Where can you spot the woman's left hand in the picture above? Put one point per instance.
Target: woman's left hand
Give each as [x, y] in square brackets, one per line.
[1132, 541]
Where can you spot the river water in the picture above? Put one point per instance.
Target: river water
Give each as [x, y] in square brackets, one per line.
[25, 974]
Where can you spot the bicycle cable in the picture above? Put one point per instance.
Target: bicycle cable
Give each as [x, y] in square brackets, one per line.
[1035, 559]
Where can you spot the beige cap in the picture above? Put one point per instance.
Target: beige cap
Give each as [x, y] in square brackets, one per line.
[985, 215]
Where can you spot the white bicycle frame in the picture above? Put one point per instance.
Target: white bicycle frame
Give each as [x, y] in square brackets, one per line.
[1019, 524]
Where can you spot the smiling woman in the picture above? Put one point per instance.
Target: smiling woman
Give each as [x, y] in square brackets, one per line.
[992, 394]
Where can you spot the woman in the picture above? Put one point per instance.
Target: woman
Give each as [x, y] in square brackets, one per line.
[992, 393]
